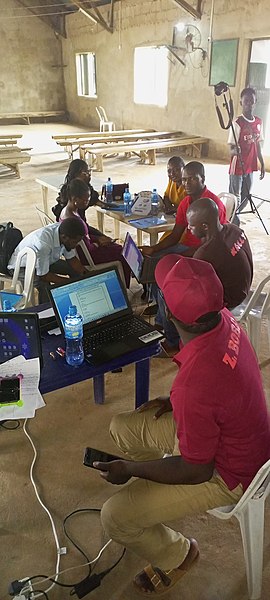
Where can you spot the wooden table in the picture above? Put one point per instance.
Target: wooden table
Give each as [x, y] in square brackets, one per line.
[54, 182]
[50, 182]
[119, 217]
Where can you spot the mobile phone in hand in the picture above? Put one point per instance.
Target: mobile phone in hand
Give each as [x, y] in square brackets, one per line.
[92, 455]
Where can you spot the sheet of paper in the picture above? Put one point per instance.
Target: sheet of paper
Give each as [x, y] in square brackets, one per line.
[44, 314]
[30, 394]
[55, 331]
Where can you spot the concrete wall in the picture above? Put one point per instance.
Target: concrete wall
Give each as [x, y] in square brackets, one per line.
[29, 50]
[145, 22]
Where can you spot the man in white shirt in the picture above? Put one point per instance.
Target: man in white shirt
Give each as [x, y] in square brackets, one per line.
[50, 243]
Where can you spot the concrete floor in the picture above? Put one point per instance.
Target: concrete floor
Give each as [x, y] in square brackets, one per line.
[70, 421]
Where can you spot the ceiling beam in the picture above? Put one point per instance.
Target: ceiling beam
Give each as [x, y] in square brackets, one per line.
[195, 12]
[56, 24]
[89, 9]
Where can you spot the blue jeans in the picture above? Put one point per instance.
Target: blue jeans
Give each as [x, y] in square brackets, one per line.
[240, 186]
[176, 249]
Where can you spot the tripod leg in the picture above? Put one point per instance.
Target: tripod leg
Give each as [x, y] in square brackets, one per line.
[254, 210]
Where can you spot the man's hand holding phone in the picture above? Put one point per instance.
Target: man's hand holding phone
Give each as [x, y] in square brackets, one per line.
[115, 471]
[111, 467]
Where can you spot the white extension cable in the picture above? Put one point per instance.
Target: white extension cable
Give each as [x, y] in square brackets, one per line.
[59, 549]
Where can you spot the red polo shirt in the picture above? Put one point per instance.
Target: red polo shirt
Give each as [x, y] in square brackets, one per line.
[188, 238]
[219, 404]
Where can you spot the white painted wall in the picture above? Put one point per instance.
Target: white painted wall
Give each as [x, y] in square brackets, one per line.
[191, 101]
[29, 51]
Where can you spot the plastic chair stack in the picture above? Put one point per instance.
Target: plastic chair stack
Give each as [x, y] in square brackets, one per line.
[250, 513]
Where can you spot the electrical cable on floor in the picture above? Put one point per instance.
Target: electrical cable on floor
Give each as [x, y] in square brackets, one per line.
[45, 578]
[91, 581]
[58, 548]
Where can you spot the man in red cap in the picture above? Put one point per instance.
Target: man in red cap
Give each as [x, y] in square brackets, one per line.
[217, 413]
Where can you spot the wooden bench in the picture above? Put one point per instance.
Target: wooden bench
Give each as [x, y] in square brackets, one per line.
[26, 116]
[13, 157]
[72, 145]
[144, 149]
[106, 134]
[11, 136]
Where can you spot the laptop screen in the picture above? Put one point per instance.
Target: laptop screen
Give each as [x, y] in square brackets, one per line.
[133, 256]
[99, 295]
[19, 334]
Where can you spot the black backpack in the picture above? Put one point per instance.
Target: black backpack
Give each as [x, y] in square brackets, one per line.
[10, 237]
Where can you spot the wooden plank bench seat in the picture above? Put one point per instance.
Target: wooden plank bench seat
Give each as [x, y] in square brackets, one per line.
[145, 149]
[106, 134]
[26, 116]
[11, 136]
[13, 157]
[72, 145]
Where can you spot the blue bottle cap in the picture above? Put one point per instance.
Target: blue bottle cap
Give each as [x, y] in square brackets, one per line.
[72, 311]
[6, 305]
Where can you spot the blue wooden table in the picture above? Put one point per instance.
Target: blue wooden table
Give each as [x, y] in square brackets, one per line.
[57, 374]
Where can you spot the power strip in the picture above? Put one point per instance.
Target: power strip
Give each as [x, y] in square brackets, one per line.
[25, 583]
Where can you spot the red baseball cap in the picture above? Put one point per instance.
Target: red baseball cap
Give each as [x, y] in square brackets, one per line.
[191, 287]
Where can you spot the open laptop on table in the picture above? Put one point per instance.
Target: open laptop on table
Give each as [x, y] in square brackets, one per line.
[143, 267]
[110, 329]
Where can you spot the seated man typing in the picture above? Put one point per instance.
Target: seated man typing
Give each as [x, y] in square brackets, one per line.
[217, 412]
[50, 243]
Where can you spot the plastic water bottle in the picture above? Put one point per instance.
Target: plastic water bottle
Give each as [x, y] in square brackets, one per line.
[127, 202]
[109, 190]
[74, 337]
[154, 203]
[7, 306]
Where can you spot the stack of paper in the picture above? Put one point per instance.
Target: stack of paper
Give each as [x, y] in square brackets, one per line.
[19, 393]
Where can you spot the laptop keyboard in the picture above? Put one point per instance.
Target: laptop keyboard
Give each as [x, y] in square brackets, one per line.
[114, 333]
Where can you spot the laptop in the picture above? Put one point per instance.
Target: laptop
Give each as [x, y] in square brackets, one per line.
[110, 329]
[12, 297]
[143, 267]
[19, 335]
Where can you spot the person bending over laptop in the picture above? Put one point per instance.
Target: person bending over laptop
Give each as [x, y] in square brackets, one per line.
[217, 415]
[50, 243]
[227, 249]
[78, 199]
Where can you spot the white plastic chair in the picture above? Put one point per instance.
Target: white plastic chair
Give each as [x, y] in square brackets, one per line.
[250, 513]
[252, 310]
[27, 289]
[104, 123]
[230, 202]
[43, 217]
[92, 267]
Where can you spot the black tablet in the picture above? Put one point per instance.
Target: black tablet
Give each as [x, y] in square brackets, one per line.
[19, 335]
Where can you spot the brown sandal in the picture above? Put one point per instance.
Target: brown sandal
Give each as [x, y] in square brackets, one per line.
[153, 580]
